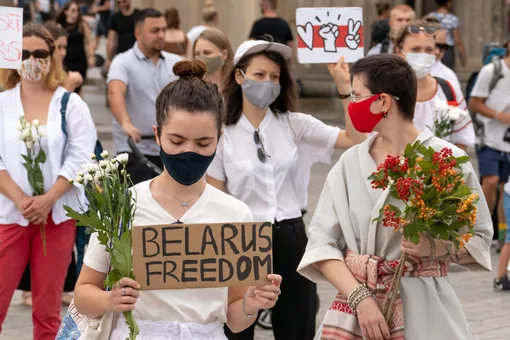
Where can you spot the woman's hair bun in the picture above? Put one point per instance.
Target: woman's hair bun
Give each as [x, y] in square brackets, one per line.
[190, 69]
[209, 3]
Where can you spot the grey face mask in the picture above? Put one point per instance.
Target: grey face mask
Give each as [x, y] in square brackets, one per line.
[213, 64]
[260, 93]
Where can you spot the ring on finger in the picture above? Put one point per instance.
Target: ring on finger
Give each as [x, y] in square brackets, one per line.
[123, 291]
[278, 291]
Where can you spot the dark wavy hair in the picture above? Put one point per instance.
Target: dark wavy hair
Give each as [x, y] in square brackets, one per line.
[61, 17]
[233, 94]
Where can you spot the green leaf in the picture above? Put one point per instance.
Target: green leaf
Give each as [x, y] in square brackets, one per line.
[27, 159]
[28, 167]
[89, 219]
[413, 229]
[41, 157]
[462, 160]
[463, 191]
[415, 238]
[456, 225]
[426, 164]
[449, 209]
[122, 259]
[395, 209]
[431, 194]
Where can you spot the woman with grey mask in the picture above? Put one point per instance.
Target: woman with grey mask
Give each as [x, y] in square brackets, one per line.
[213, 48]
[263, 144]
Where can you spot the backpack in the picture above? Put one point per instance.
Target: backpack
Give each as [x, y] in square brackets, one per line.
[63, 107]
[448, 91]
[491, 53]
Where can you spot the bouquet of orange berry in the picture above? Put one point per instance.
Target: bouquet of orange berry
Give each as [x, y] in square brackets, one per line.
[436, 200]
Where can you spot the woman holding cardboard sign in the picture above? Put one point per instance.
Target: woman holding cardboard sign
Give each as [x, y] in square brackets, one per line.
[264, 147]
[189, 113]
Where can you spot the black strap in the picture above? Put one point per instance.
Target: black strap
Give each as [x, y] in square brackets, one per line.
[497, 74]
[448, 92]
[385, 45]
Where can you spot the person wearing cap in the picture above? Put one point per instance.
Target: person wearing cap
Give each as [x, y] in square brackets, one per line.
[256, 161]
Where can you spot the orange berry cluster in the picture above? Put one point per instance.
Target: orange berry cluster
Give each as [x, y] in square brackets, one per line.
[465, 204]
[463, 239]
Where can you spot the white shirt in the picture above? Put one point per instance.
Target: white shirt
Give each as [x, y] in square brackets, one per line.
[195, 32]
[498, 99]
[269, 188]
[203, 305]
[463, 130]
[378, 47]
[442, 71]
[64, 158]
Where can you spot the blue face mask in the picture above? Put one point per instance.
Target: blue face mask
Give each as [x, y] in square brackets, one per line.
[186, 168]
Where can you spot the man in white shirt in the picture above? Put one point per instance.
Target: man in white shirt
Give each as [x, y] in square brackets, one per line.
[400, 16]
[439, 69]
[493, 109]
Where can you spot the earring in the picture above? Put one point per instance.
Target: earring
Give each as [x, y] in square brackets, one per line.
[385, 114]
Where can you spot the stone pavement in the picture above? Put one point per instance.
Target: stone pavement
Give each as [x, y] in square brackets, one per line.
[488, 312]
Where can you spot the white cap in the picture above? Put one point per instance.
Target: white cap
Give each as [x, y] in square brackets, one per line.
[256, 46]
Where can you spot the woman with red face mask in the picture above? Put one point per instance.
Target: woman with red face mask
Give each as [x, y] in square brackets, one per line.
[345, 245]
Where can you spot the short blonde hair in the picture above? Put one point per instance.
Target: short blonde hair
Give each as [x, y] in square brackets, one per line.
[402, 8]
[56, 77]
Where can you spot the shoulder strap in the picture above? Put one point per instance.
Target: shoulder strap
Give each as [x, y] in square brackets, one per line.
[497, 74]
[447, 89]
[63, 108]
[385, 45]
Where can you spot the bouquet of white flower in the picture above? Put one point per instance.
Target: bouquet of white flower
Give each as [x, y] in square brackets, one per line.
[446, 116]
[31, 136]
[110, 213]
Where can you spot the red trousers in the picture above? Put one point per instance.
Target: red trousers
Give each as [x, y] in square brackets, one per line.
[18, 245]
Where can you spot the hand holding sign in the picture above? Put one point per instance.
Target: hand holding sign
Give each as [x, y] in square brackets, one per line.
[341, 76]
[263, 297]
[353, 39]
[329, 33]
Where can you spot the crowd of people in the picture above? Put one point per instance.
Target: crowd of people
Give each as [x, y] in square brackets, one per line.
[225, 126]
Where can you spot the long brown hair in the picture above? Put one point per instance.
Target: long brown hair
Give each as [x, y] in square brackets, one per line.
[233, 94]
[56, 76]
[61, 17]
[220, 40]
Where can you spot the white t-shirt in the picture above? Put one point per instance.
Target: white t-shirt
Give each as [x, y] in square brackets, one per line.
[442, 71]
[498, 99]
[269, 188]
[195, 32]
[204, 305]
[424, 114]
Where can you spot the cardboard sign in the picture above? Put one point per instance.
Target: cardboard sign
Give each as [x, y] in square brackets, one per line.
[327, 34]
[202, 255]
[11, 32]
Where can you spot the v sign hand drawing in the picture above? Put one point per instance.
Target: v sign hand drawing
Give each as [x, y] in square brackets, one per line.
[353, 38]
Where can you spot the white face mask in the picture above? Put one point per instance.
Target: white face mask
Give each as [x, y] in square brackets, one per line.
[421, 63]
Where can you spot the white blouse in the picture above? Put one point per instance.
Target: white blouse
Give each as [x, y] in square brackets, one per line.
[424, 114]
[201, 305]
[269, 188]
[64, 158]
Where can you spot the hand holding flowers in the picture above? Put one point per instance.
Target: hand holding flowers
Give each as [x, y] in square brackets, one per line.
[446, 116]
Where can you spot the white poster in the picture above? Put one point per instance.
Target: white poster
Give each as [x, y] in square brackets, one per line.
[326, 34]
[11, 31]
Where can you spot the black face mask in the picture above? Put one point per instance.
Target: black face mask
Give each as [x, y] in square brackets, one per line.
[186, 168]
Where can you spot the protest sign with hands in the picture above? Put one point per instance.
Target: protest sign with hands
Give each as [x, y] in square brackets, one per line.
[353, 38]
[329, 32]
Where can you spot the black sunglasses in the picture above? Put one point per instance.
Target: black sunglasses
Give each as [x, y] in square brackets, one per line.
[37, 54]
[261, 152]
[428, 30]
[442, 47]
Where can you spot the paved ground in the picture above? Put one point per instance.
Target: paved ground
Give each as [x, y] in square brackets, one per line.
[488, 312]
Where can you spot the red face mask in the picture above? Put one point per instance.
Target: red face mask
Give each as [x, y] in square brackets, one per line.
[362, 118]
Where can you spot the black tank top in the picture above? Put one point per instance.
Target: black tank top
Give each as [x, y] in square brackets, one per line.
[75, 45]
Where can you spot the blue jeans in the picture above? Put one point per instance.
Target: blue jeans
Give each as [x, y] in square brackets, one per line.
[506, 206]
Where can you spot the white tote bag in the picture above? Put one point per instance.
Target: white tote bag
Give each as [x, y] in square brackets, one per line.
[76, 326]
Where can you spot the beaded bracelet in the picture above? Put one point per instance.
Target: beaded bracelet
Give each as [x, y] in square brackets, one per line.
[360, 293]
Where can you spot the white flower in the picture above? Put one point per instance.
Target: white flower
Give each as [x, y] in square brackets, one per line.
[112, 166]
[123, 172]
[93, 168]
[98, 176]
[41, 134]
[93, 156]
[26, 132]
[453, 114]
[88, 178]
[19, 127]
[35, 138]
[122, 158]
[71, 181]
[103, 164]
[35, 123]
[79, 179]
[29, 145]
[80, 174]
[21, 137]
[104, 154]
[441, 105]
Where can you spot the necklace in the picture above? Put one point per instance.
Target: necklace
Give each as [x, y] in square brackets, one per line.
[183, 203]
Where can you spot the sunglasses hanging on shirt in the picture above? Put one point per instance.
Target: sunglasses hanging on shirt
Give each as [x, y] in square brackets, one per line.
[261, 152]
